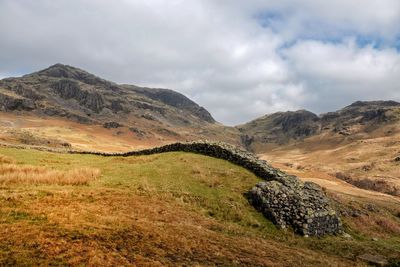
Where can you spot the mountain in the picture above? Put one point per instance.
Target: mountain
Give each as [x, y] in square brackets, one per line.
[71, 92]
[67, 92]
[359, 118]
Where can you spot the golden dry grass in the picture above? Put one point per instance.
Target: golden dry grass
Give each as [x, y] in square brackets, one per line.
[6, 160]
[11, 173]
[106, 227]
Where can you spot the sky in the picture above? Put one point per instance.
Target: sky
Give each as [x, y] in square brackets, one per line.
[239, 59]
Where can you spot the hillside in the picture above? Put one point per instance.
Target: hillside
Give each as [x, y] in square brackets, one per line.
[167, 209]
[67, 93]
[280, 128]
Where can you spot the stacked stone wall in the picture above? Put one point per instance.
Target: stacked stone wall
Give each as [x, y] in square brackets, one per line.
[282, 198]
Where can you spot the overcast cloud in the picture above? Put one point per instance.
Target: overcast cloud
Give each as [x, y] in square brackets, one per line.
[238, 59]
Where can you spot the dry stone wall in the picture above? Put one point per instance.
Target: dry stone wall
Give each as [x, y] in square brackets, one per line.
[282, 198]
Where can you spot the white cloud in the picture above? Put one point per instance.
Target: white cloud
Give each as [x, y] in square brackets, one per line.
[344, 72]
[295, 18]
[239, 59]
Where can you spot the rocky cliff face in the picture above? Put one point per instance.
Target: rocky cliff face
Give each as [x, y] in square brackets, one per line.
[11, 102]
[280, 127]
[174, 99]
[361, 116]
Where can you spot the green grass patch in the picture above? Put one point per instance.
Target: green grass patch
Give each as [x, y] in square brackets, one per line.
[14, 216]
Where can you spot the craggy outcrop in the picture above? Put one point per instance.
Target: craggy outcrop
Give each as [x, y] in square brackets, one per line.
[281, 127]
[112, 125]
[282, 198]
[10, 103]
[70, 89]
[177, 100]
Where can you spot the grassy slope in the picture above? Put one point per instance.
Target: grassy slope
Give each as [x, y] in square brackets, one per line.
[167, 209]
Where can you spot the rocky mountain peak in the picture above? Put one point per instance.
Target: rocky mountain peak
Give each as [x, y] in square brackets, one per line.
[65, 71]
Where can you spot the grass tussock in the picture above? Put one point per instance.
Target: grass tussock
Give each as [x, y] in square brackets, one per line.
[6, 160]
[388, 225]
[11, 173]
[29, 138]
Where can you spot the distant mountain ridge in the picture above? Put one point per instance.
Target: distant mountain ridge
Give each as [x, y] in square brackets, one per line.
[74, 94]
[283, 127]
